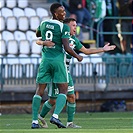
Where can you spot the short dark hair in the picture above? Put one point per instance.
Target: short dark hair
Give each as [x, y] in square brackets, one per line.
[54, 6]
[68, 20]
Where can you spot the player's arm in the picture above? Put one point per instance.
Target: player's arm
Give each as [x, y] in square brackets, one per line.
[65, 40]
[97, 50]
[38, 33]
[69, 50]
[45, 43]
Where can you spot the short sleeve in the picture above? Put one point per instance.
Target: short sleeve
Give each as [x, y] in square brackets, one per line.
[78, 44]
[65, 31]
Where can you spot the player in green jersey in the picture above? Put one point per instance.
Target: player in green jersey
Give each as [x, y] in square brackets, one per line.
[53, 67]
[53, 91]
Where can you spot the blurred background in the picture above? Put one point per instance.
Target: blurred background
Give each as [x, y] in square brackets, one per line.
[103, 82]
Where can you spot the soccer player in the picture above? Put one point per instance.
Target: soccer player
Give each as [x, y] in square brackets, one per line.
[53, 66]
[53, 92]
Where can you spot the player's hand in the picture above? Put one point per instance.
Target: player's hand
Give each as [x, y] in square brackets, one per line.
[49, 43]
[108, 48]
[80, 58]
[39, 42]
[45, 43]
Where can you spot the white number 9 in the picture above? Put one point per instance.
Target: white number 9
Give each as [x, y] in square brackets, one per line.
[49, 35]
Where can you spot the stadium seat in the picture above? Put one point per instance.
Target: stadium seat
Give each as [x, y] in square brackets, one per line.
[34, 22]
[28, 67]
[11, 3]
[18, 12]
[45, 18]
[2, 3]
[23, 3]
[41, 12]
[129, 58]
[83, 68]
[11, 23]
[98, 64]
[6, 12]
[30, 35]
[19, 35]
[24, 58]
[23, 23]
[29, 12]
[12, 59]
[24, 47]
[35, 49]
[12, 50]
[120, 58]
[7, 35]
[111, 65]
[12, 47]
[2, 47]
[2, 61]
[12, 67]
[2, 23]
[35, 54]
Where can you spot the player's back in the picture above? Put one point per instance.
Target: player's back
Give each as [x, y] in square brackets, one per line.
[54, 31]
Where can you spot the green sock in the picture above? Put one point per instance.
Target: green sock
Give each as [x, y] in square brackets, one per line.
[35, 106]
[45, 109]
[71, 107]
[60, 103]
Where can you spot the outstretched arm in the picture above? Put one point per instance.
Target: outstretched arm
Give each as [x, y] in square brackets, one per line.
[97, 50]
[69, 50]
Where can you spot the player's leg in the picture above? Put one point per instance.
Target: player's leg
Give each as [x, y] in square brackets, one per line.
[71, 104]
[36, 102]
[43, 77]
[52, 93]
[60, 103]
[44, 111]
[60, 77]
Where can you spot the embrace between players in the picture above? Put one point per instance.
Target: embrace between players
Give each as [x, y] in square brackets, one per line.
[58, 40]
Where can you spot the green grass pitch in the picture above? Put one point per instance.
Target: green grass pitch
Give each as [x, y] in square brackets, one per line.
[117, 122]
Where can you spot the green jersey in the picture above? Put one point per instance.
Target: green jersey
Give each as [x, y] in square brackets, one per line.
[54, 31]
[74, 43]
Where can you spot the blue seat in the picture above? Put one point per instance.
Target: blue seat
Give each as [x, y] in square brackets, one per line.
[111, 65]
[124, 62]
[129, 60]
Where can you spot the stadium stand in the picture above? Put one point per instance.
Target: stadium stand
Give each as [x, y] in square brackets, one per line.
[12, 47]
[29, 12]
[2, 47]
[41, 12]
[6, 12]
[24, 47]
[18, 12]
[11, 3]
[23, 3]
[23, 23]
[2, 23]
[30, 36]
[19, 35]
[2, 3]
[11, 23]
[34, 21]
[7, 35]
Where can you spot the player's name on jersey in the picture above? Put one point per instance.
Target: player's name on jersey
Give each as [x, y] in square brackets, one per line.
[49, 26]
